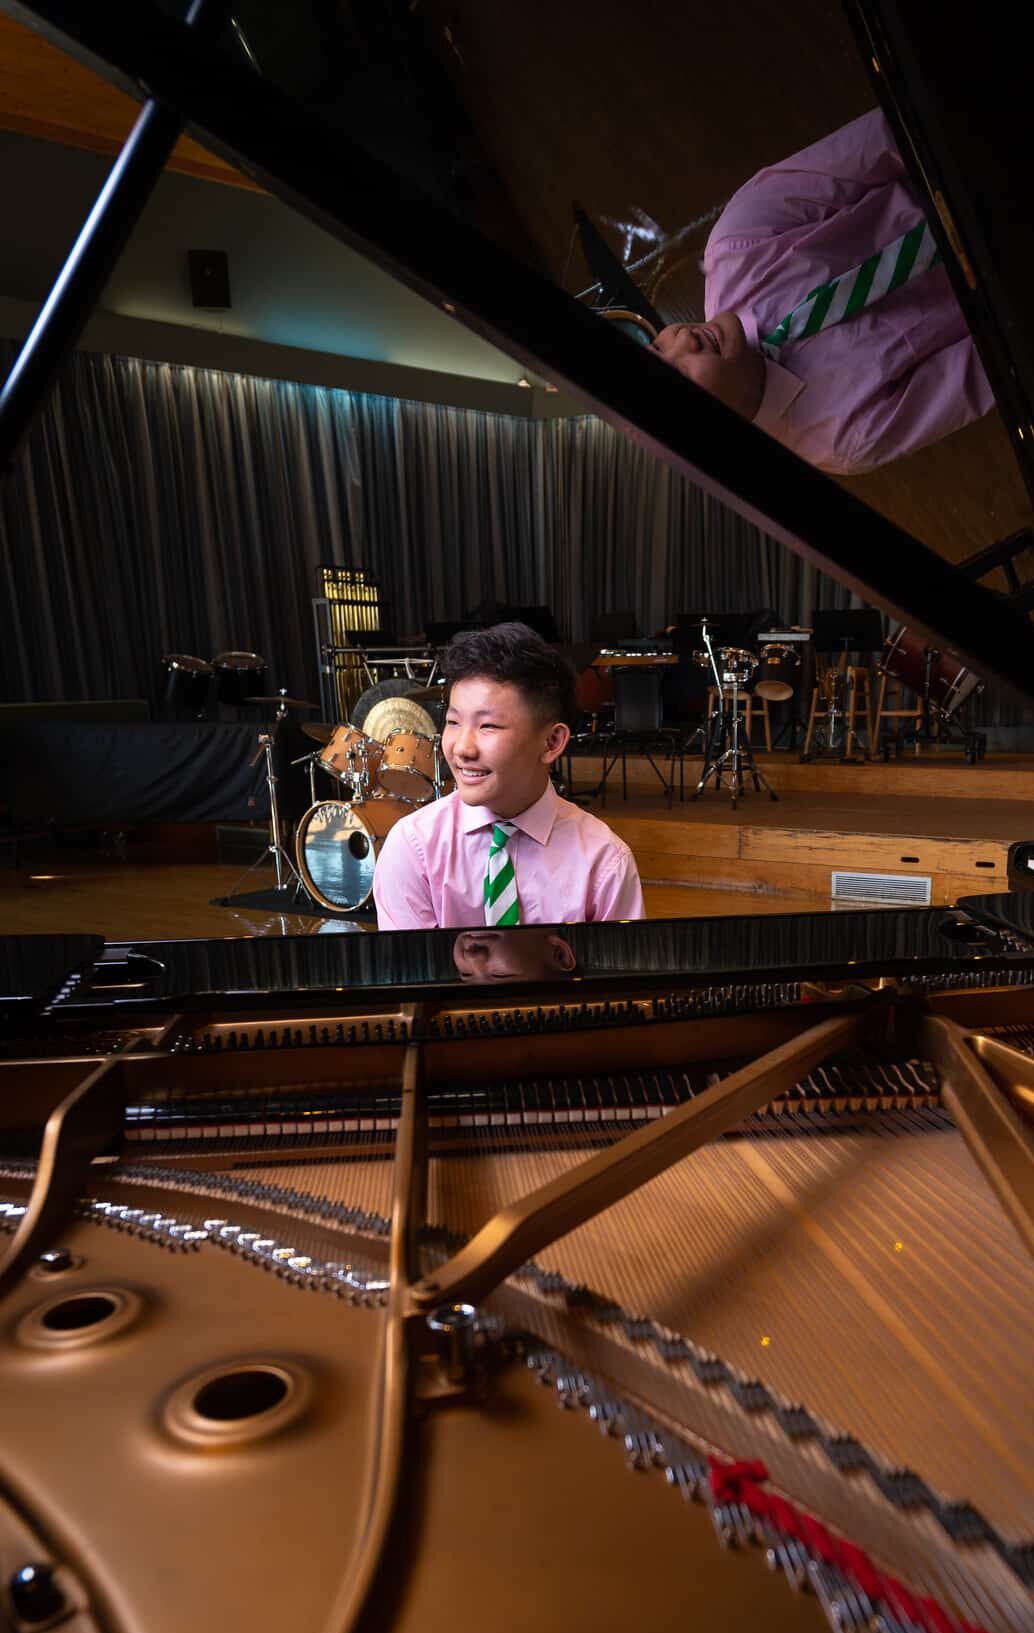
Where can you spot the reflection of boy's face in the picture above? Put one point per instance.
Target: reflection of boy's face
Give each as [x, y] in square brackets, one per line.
[716, 356]
[498, 748]
[512, 955]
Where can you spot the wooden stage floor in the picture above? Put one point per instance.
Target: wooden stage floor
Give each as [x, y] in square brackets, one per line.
[697, 859]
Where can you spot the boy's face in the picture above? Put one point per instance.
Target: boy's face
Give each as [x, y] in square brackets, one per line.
[498, 748]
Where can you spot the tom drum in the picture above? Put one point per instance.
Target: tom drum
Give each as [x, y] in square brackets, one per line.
[777, 672]
[239, 675]
[352, 756]
[736, 665]
[408, 768]
[186, 682]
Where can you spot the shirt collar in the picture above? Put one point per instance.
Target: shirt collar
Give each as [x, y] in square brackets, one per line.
[782, 386]
[537, 821]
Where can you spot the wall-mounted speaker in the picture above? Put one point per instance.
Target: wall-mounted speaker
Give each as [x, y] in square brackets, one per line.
[209, 274]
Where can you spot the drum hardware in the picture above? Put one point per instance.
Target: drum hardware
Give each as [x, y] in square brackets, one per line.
[352, 759]
[835, 729]
[732, 668]
[837, 635]
[276, 848]
[311, 761]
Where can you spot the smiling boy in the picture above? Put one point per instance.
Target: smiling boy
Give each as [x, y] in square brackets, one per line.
[504, 849]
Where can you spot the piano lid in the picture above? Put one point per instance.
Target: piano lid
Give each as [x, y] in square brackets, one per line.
[573, 962]
[449, 141]
[37, 970]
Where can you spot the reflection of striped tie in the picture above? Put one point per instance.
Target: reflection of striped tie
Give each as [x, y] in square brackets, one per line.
[501, 904]
[911, 254]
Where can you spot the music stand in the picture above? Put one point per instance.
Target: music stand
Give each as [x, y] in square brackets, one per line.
[738, 629]
[839, 633]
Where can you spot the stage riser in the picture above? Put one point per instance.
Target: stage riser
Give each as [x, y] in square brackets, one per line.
[800, 859]
[930, 775]
[803, 880]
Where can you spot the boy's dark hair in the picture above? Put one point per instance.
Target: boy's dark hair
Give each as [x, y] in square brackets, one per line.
[515, 654]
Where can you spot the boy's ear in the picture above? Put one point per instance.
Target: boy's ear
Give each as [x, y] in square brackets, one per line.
[557, 738]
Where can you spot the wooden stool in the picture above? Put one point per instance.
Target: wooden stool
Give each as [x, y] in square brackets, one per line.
[859, 703]
[901, 711]
[747, 705]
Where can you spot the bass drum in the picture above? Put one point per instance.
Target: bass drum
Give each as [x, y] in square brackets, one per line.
[951, 683]
[338, 846]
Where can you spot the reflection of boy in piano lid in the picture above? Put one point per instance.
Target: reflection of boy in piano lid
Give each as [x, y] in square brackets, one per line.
[831, 322]
[504, 848]
[532, 954]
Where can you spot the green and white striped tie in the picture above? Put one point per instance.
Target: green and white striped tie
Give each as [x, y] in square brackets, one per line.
[909, 256]
[501, 905]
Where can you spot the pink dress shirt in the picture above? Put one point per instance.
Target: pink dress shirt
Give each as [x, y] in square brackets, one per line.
[900, 374]
[570, 867]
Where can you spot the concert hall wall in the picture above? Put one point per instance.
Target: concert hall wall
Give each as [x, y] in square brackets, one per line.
[161, 508]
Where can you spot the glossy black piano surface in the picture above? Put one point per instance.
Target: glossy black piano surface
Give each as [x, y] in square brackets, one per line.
[725, 956]
[407, 132]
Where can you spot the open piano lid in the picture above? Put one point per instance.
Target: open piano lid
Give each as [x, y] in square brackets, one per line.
[336, 163]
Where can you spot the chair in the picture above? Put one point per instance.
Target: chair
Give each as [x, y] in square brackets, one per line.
[638, 730]
[900, 709]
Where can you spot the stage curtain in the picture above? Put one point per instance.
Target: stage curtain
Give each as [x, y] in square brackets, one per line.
[159, 508]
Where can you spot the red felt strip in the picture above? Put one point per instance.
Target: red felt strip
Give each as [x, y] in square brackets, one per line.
[741, 1482]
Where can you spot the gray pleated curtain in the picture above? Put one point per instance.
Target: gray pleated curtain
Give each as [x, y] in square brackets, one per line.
[160, 508]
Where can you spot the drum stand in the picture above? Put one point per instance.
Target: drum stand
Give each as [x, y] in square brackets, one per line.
[282, 863]
[723, 751]
[835, 733]
[441, 768]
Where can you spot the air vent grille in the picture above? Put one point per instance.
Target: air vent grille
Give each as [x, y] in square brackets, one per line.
[911, 888]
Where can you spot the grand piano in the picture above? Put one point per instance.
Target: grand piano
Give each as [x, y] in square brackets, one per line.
[389, 1282]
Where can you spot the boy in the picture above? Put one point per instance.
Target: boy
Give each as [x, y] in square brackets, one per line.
[504, 849]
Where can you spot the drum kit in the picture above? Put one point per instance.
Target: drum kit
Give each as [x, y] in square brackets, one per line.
[377, 780]
[725, 751]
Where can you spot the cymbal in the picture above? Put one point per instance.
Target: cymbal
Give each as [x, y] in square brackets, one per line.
[317, 731]
[288, 702]
[398, 714]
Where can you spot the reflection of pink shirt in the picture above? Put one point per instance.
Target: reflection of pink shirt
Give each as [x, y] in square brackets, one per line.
[570, 867]
[899, 374]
